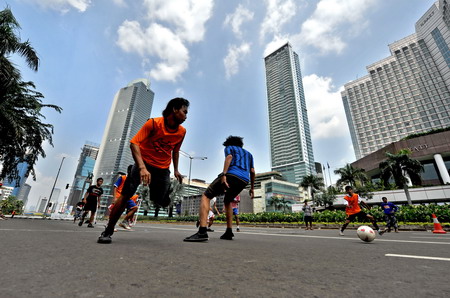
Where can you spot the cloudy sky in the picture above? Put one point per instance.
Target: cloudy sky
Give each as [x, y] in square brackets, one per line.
[210, 52]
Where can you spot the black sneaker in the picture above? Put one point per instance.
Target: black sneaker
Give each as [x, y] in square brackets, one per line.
[227, 236]
[197, 237]
[80, 223]
[209, 230]
[90, 225]
[104, 238]
[197, 224]
[380, 232]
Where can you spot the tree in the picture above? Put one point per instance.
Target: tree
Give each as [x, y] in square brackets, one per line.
[21, 130]
[11, 204]
[275, 202]
[313, 184]
[327, 197]
[399, 166]
[176, 194]
[350, 175]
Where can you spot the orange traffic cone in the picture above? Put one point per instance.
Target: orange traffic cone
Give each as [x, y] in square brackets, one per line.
[437, 226]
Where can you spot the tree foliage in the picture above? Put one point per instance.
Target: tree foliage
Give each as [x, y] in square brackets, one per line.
[351, 176]
[313, 183]
[11, 204]
[22, 131]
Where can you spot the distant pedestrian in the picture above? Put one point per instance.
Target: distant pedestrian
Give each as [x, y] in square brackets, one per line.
[308, 215]
[389, 210]
[78, 211]
[156, 144]
[235, 207]
[92, 202]
[353, 210]
[238, 171]
[13, 213]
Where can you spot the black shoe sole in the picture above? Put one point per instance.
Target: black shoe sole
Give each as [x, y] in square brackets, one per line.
[104, 241]
[227, 237]
[195, 240]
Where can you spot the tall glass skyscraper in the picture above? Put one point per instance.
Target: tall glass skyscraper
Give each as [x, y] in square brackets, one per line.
[407, 92]
[84, 172]
[131, 108]
[290, 137]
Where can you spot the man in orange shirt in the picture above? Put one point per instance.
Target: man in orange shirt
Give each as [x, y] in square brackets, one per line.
[153, 147]
[353, 210]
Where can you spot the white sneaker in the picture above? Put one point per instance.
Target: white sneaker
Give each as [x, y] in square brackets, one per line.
[125, 225]
[341, 233]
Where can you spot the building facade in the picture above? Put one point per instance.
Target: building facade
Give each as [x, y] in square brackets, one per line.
[131, 108]
[290, 137]
[84, 172]
[16, 184]
[407, 92]
[23, 193]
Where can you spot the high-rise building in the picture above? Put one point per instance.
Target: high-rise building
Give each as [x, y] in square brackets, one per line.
[131, 108]
[290, 137]
[84, 172]
[23, 193]
[407, 92]
[22, 177]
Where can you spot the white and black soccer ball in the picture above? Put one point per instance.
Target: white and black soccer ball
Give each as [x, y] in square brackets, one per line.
[366, 234]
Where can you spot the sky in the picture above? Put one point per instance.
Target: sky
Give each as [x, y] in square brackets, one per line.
[210, 52]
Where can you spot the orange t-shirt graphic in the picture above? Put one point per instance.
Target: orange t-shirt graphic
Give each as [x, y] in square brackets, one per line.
[353, 204]
[157, 143]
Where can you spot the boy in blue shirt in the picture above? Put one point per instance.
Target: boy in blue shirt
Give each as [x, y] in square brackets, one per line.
[238, 171]
[389, 215]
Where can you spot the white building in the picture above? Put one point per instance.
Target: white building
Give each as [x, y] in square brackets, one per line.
[407, 92]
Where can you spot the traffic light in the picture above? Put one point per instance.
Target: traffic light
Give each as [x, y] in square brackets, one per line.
[67, 185]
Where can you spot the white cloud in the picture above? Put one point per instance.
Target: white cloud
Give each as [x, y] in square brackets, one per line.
[63, 5]
[332, 21]
[275, 44]
[236, 19]
[278, 13]
[325, 109]
[184, 22]
[234, 56]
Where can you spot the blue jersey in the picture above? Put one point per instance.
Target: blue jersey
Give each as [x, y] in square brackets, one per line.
[389, 208]
[241, 163]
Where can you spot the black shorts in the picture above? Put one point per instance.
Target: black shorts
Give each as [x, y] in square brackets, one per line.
[361, 215]
[308, 219]
[216, 188]
[159, 184]
[91, 205]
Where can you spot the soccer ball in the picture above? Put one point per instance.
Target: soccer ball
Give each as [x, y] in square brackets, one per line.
[366, 233]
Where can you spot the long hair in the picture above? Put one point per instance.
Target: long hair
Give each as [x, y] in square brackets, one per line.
[175, 103]
[234, 141]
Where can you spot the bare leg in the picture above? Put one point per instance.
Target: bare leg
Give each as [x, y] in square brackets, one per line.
[115, 214]
[204, 209]
[130, 214]
[229, 214]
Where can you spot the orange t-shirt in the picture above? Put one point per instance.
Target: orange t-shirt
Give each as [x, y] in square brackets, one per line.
[120, 186]
[134, 198]
[157, 143]
[353, 204]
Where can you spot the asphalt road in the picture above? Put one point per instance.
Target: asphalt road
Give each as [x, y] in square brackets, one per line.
[54, 258]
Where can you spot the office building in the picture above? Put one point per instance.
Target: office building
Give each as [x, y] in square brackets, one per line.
[289, 132]
[130, 109]
[17, 183]
[407, 92]
[23, 193]
[84, 172]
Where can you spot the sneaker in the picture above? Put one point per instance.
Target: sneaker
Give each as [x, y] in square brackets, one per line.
[104, 238]
[125, 225]
[197, 224]
[380, 232]
[396, 230]
[197, 237]
[80, 223]
[341, 233]
[90, 225]
[238, 230]
[209, 230]
[227, 236]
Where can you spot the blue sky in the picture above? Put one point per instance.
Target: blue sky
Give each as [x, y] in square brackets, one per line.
[210, 52]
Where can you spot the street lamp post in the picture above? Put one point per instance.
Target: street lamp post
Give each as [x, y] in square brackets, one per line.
[53, 188]
[190, 164]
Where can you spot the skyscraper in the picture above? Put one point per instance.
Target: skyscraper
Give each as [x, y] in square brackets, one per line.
[407, 92]
[130, 109]
[20, 181]
[290, 137]
[84, 172]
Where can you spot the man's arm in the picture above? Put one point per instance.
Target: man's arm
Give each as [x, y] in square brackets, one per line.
[144, 173]
[364, 204]
[252, 183]
[226, 165]
[175, 158]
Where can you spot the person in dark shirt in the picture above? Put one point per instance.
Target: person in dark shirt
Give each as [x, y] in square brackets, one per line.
[389, 210]
[92, 201]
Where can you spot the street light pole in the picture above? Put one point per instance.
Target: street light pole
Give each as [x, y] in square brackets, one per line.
[53, 188]
[190, 164]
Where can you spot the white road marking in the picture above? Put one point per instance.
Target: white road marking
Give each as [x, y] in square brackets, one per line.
[431, 237]
[418, 257]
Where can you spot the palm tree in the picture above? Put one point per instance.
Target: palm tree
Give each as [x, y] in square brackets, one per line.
[350, 175]
[398, 166]
[176, 194]
[328, 197]
[313, 184]
[21, 130]
[275, 202]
